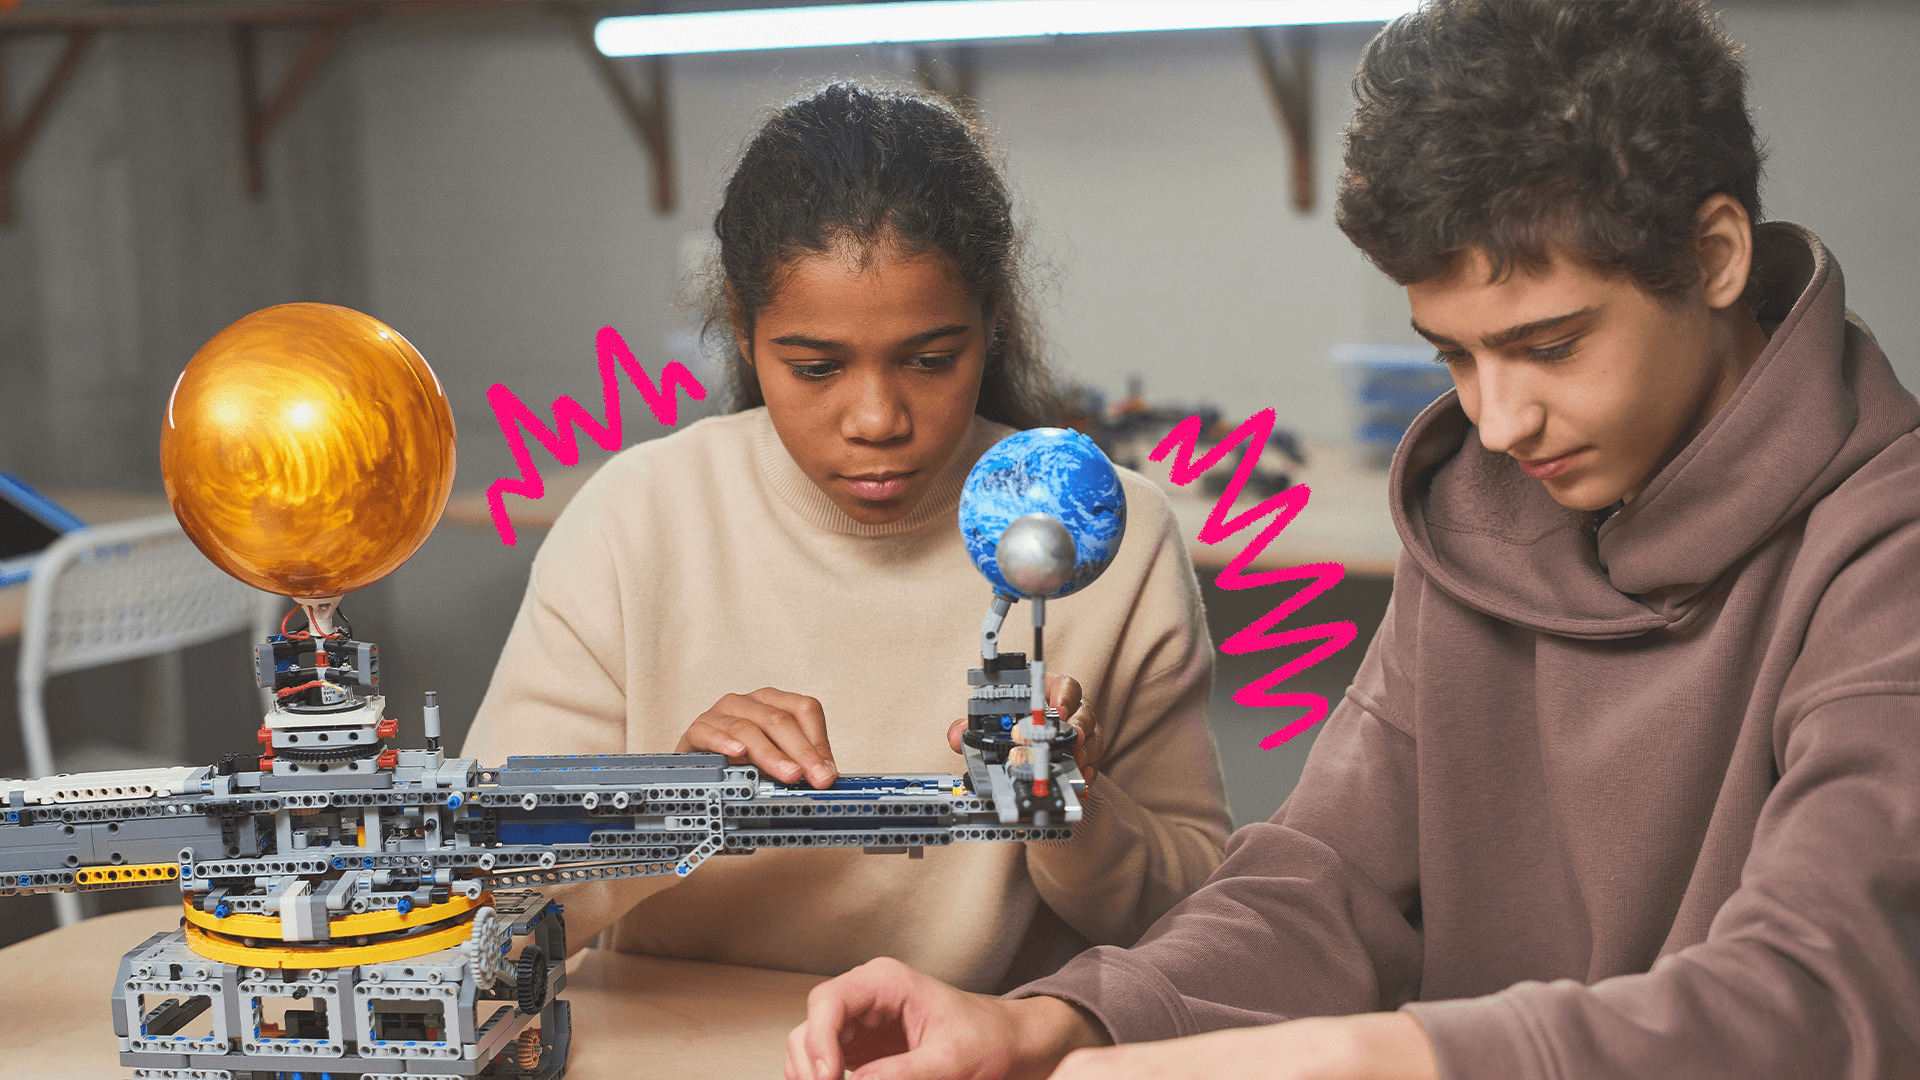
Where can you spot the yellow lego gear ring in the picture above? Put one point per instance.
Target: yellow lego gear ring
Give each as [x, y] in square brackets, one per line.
[360, 925]
[325, 955]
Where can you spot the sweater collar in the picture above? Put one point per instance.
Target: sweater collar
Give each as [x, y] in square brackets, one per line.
[805, 498]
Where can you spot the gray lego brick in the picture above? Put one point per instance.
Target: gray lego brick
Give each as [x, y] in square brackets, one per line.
[613, 770]
[329, 781]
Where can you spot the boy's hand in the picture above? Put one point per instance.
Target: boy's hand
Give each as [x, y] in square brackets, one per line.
[784, 734]
[1373, 1046]
[887, 1021]
[1065, 695]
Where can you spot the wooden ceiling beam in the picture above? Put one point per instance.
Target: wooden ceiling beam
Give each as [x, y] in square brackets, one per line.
[81, 20]
[16, 140]
[1290, 92]
[260, 118]
[53, 15]
[646, 115]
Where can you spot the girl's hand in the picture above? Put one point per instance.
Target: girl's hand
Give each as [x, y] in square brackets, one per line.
[784, 734]
[1063, 694]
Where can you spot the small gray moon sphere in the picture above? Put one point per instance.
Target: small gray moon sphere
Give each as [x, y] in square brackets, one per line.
[1036, 555]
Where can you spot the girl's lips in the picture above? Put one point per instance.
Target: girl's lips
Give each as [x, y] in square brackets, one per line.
[877, 489]
[1552, 467]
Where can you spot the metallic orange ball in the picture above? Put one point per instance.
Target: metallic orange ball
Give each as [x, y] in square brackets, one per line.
[308, 450]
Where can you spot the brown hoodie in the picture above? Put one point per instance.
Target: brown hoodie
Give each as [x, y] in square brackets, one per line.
[1640, 804]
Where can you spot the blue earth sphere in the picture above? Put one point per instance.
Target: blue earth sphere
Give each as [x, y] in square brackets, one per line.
[1045, 471]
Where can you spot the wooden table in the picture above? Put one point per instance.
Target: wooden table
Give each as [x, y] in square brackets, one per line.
[94, 508]
[633, 1016]
[1346, 520]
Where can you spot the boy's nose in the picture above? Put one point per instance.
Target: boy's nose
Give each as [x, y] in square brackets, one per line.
[1510, 417]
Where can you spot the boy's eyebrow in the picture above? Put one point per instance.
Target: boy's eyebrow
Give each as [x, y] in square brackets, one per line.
[1511, 334]
[803, 341]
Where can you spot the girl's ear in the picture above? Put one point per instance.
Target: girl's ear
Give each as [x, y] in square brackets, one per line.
[739, 323]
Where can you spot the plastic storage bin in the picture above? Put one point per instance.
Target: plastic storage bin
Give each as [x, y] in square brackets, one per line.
[1387, 386]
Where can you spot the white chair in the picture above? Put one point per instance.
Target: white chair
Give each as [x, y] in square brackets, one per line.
[120, 592]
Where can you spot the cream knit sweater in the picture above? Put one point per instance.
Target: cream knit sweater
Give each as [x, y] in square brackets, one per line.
[706, 563]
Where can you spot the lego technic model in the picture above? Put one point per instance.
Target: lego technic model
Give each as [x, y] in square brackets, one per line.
[355, 908]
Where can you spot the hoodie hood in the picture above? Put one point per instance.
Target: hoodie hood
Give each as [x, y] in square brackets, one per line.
[1819, 402]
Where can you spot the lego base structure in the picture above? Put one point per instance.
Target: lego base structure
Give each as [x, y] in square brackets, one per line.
[632, 1015]
[356, 909]
[449, 1013]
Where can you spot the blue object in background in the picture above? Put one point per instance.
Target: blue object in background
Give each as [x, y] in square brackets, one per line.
[1044, 471]
[1387, 386]
[29, 521]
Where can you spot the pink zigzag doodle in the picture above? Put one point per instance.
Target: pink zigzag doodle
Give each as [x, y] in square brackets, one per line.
[514, 416]
[1185, 437]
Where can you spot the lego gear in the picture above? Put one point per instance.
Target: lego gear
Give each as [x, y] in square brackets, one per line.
[530, 979]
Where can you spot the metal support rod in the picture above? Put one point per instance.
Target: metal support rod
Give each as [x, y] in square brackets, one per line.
[1039, 732]
[16, 140]
[1039, 604]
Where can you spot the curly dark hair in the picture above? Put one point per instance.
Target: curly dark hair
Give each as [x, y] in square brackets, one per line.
[1516, 127]
[883, 168]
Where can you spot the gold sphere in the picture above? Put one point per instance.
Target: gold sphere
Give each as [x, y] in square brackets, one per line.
[308, 450]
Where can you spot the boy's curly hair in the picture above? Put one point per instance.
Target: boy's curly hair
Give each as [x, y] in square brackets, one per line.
[1518, 127]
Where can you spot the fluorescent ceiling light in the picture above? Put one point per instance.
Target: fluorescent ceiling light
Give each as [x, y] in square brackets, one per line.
[960, 20]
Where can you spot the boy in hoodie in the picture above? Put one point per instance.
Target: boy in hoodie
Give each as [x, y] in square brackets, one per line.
[1628, 784]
